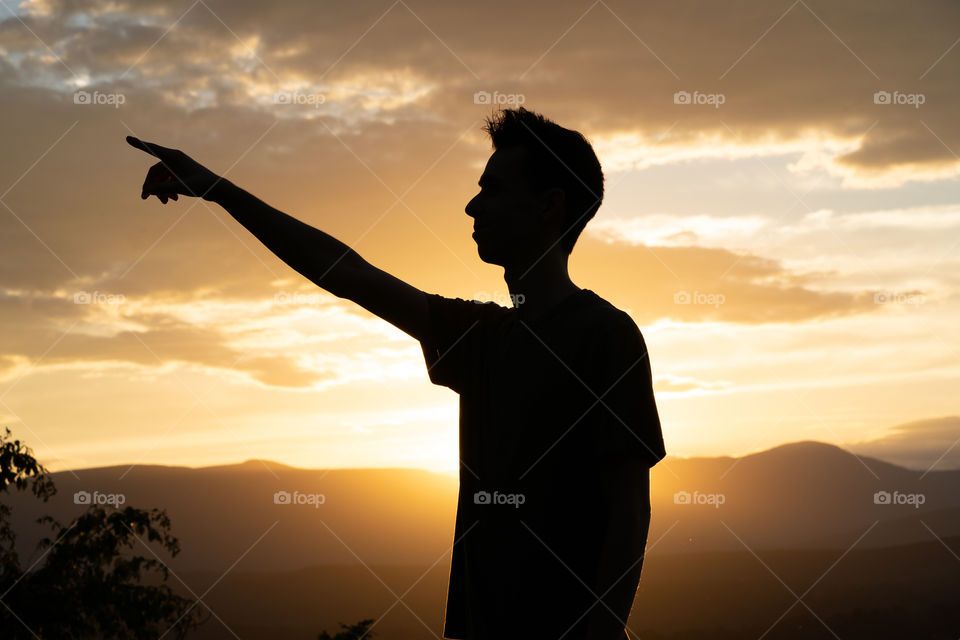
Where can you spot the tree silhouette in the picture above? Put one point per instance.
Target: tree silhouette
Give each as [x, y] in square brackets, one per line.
[353, 632]
[88, 583]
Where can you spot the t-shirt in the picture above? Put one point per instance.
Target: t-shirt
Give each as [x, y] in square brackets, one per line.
[558, 431]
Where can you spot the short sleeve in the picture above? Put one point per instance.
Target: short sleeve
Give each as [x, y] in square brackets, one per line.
[625, 422]
[455, 334]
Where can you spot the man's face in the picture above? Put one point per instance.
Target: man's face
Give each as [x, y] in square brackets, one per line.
[508, 229]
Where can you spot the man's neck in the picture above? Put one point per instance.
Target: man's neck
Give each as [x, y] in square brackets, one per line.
[539, 289]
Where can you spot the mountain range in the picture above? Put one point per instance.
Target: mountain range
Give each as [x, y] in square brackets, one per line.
[803, 495]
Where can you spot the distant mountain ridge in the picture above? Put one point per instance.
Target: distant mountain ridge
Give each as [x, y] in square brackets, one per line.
[801, 495]
[805, 494]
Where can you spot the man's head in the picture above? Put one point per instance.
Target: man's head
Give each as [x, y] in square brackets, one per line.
[539, 189]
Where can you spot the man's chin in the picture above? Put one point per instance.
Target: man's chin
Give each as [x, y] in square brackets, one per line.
[488, 256]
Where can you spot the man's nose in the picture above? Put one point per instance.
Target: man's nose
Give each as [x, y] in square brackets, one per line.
[471, 208]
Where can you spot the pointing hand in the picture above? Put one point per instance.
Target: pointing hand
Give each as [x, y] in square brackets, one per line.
[176, 174]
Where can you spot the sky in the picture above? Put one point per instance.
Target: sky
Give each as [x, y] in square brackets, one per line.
[781, 218]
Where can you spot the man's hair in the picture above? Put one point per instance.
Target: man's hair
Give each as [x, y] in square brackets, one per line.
[558, 157]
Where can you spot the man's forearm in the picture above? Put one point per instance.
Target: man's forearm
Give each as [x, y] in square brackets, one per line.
[317, 255]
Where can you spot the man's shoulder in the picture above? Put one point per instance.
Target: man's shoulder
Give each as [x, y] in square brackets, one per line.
[465, 308]
[602, 314]
[608, 334]
[591, 313]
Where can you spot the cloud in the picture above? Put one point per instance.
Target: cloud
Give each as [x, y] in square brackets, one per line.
[932, 443]
[667, 383]
[104, 327]
[610, 69]
[699, 284]
[399, 119]
[399, 87]
[54, 332]
[924, 218]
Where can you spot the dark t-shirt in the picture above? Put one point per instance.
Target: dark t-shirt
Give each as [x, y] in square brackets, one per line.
[546, 469]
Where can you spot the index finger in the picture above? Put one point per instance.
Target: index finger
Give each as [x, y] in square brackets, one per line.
[153, 149]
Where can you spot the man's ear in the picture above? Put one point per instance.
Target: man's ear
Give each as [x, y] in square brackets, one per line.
[553, 205]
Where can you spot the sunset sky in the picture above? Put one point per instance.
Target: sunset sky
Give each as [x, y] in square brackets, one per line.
[782, 218]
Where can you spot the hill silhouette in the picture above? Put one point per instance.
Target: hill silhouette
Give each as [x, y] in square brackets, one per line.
[803, 495]
[800, 495]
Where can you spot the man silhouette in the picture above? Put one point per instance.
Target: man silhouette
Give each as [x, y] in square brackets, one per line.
[558, 423]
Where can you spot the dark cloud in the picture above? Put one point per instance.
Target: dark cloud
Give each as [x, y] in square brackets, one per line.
[75, 220]
[785, 69]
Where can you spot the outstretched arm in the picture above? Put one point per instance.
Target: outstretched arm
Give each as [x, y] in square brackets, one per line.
[318, 256]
